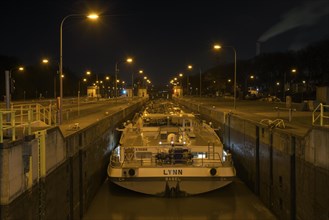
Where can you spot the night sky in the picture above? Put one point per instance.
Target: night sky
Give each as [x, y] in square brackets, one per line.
[163, 36]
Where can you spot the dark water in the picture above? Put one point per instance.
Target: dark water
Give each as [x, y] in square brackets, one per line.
[234, 201]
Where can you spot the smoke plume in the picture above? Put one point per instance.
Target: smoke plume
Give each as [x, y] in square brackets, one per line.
[306, 14]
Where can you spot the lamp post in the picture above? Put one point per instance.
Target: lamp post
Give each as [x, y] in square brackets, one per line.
[8, 92]
[84, 80]
[293, 72]
[181, 81]
[132, 81]
[106, 84]
[277, 88]
[190, 67]
[217, 47]
[116, 79]
[285, 82]
[145, 79]
[45, 61]
[90, 16]
[128, 60]
[96, 85]
[8, 89]
[179, 84]
[138, 83]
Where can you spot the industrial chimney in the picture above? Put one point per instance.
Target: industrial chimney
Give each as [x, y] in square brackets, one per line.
[258, 48]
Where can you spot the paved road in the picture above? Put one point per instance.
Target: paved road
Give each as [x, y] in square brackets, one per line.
[301, 121]
[75, 116]
[90, 113]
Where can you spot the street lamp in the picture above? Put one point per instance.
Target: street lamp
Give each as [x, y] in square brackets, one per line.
[277, 89]
[285, 82]
[190, 67]
[8, 89]
[84, 80]
[45, 61]
[217, 47]
[132, 80]
[96, 88]
[181, 82]
[294, 72]
[90, 16]
[128, 60]
[141, 72]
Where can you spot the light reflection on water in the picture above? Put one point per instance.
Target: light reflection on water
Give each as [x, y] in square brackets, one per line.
[234, 201]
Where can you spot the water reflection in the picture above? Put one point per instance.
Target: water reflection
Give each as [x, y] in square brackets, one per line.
[234, 201]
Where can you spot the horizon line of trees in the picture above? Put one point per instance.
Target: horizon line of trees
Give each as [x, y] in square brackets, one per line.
[271, 74]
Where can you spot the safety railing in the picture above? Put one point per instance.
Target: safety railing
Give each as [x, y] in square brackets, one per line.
[37, 112]
[320, 115]
[277, 123]
[23, 116]
[7, 125]
[205, 159]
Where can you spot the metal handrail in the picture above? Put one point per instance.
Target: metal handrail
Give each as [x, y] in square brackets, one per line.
[6, 126]
[38, 112]
[321, 114]
[23, 116]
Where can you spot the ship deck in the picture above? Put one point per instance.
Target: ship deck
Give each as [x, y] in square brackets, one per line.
[198, 135]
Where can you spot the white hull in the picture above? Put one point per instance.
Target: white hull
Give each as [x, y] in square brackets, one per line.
[172, 180]
[162, 186]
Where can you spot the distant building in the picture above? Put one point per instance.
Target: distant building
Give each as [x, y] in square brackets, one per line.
[142, 93]
[322, 94]
[129, 92]
[93, 91]
[177, 91]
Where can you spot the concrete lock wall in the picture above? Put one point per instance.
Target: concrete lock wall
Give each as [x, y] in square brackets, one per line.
[312, 175]
[22, 174]
[289, 173]
[63, 184]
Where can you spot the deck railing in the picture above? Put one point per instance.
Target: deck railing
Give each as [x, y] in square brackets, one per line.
[207, 160]
[320, 115]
